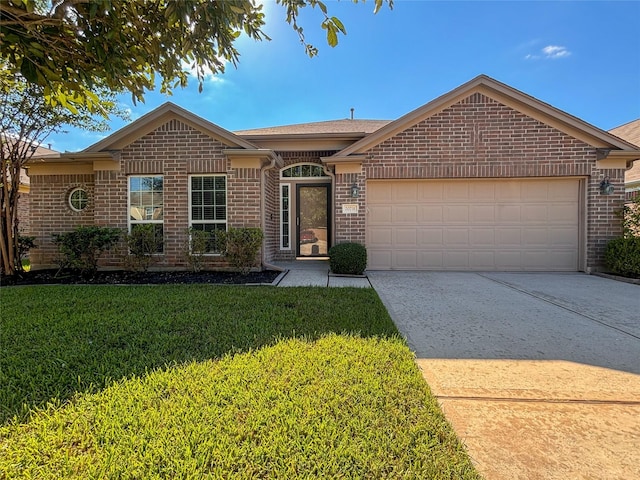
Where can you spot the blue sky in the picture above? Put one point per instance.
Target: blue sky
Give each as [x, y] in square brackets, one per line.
[581, 57]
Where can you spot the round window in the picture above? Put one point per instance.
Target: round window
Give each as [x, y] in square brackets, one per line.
[78, 199]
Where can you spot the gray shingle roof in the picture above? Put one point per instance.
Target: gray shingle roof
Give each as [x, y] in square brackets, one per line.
[328, 127]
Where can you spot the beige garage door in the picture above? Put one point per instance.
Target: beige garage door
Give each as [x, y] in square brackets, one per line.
[512, 224]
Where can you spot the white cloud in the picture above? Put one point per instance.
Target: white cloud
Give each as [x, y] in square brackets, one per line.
[209, 76]
[555, 51]
[552, 52]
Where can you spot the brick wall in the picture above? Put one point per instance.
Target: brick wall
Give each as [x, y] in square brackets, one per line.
[51, 213]
[24, 217]
[481, 138]
[174, 150]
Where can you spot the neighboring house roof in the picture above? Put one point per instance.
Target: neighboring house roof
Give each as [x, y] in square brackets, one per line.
[631, 133]
[36, 151]
[346, 125]
[507, 96]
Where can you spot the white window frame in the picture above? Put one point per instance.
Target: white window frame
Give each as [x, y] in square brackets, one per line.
[226, 206]
[282, 246]
[145, 221]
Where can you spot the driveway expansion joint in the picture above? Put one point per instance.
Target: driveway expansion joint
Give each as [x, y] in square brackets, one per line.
[564, 307]
[539, 400]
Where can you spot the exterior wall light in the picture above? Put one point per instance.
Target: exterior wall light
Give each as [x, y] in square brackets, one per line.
[355, 191]
[606, 187]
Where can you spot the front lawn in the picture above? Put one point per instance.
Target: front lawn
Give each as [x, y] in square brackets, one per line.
[213, 382]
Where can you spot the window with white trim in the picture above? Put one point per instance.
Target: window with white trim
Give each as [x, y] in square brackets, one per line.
[208, 206]
[146, 205]
[285, 216]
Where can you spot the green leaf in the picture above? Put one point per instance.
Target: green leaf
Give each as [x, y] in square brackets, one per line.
[332, 38]
[29, 70]
[336, 21]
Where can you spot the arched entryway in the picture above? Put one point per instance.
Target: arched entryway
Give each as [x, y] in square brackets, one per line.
[305, 210]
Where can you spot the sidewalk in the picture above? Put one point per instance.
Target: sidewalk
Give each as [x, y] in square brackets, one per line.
[315, 273]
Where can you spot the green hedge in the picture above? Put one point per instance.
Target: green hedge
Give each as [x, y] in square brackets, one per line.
[348, 258]
[622, 256]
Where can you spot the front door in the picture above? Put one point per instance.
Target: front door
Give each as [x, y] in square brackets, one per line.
[312, 219]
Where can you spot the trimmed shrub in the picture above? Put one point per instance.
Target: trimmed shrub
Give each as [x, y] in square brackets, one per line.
[198, 244]
[241, 247]
[622, 256]
[81, 248]
[348, 258]
[142, 242]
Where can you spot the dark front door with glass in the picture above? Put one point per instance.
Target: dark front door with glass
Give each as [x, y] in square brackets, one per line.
[312, 220]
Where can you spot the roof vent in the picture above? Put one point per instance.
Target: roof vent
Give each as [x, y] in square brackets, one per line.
[352, 109]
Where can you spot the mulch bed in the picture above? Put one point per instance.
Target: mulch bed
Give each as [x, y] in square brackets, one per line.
[122, 277]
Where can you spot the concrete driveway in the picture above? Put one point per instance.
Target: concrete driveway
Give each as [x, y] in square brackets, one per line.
[538, 373]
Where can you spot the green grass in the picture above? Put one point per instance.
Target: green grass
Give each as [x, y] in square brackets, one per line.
[213, 382]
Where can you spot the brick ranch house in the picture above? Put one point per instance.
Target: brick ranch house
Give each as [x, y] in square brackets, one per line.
[484, 177]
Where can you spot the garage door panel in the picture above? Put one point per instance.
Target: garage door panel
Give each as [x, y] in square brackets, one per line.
[406, 237]
[456, 259]
[535, 213]
[564, 190]
[456, 236]
[405, 214]
[508, 213]
[535, 236]
[508, 191]
[380, 237]
[456, 214]
[508, 237]
[382, 259]
[430, 260]
[431, 237]
[430, 214]
[405, 260]
[430, 192]
[563, 213]
[379, 193]
[483, 191]
[405, 192]
[482, 214]
[380, 214]
[488, 224]
[562, 237]
[481, 260]
[482, 236]
[456, 191]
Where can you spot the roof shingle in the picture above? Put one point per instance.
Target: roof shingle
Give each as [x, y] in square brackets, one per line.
[326, 127]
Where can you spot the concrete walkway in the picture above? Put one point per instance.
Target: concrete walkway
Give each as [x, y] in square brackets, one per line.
[539, 374]
[315, 273]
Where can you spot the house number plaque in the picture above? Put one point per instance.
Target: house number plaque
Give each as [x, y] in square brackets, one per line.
[348, 208]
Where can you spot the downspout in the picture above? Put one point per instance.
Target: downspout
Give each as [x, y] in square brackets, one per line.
[263, 213]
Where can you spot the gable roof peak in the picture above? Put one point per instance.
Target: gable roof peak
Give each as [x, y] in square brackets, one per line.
[158, 117]
[501, 93]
